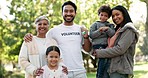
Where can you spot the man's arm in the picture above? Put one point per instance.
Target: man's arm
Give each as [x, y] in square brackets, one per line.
[87, 44]
[28, 37]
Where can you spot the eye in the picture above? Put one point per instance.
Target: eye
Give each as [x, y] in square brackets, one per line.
[51, 56]
[117, 14]
[56, 56]
[66, 11]
[106, 15]
[71, 11]
[101, 14]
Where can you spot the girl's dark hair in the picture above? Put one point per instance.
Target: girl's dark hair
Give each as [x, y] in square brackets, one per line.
[125, 15]
[70, 3]
[52, 48]
[105, 8]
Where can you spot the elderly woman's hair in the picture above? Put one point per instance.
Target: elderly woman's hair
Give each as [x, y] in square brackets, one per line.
[41, 18]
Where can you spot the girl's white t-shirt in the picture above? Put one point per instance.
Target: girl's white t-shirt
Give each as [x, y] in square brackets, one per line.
[48, 73]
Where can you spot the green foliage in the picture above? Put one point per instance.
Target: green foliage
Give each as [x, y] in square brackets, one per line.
[144, 47]
[2, 70]
[140, 26]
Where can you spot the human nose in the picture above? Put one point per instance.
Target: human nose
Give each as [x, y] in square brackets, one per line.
[53, 58]
[68, 13]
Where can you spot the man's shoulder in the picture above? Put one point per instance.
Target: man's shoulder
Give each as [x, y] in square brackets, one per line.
[55, 27]
[78, 25]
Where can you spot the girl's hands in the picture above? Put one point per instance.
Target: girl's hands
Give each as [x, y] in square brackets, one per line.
[38, 72]
[65, 70]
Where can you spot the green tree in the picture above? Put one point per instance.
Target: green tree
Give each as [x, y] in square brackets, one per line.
[144, 47]
[1, 49]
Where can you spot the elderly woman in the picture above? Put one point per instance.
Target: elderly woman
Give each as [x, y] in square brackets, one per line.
[32, 54]
[121, 47]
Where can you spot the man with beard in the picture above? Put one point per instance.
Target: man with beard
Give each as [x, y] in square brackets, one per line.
[71, 41]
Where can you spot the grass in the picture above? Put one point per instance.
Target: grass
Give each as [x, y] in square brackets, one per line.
[91, 75]
[140, 71]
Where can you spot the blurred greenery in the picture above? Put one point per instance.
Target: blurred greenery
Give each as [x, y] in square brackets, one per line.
[144, 47]
[91, 75]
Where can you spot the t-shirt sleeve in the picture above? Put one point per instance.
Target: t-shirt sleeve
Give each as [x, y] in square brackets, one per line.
[49, 34]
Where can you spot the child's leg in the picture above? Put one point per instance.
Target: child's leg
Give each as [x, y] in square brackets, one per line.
[101, 62]
[107, 64]
[101, 67]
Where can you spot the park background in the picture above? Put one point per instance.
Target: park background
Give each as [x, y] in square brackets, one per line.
[17, 17]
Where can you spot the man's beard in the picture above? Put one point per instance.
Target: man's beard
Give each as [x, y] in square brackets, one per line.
[68, 20]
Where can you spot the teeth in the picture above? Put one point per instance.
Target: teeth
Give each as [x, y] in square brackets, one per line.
[68, 17]
[42, 29]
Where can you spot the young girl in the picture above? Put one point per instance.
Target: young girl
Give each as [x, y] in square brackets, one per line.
[52, 69]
